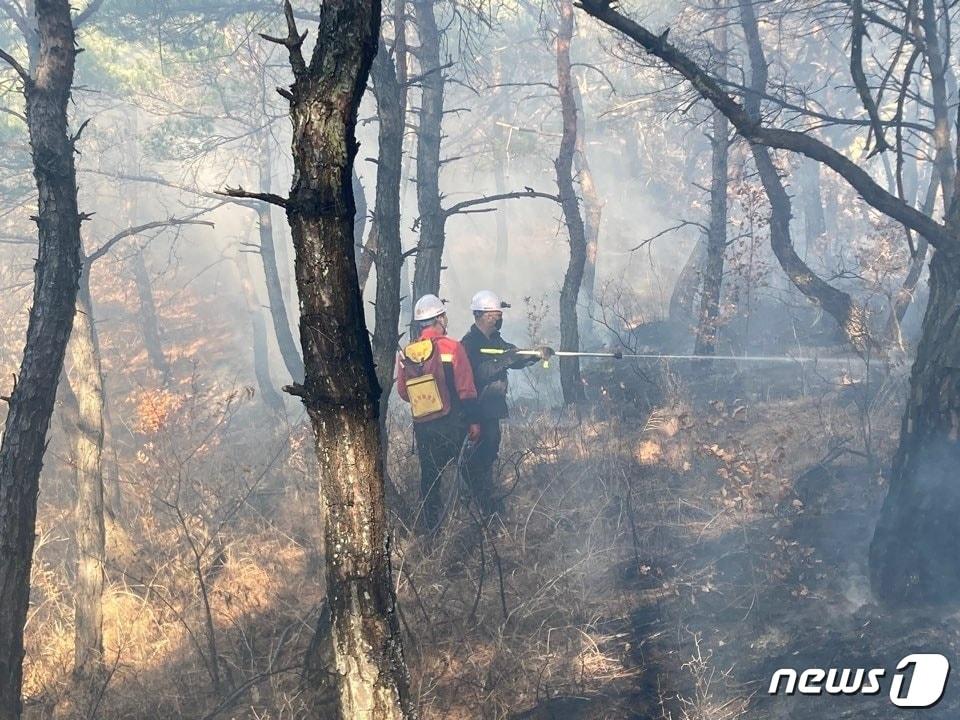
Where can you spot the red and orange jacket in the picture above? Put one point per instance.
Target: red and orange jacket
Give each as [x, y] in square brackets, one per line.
[457, 370]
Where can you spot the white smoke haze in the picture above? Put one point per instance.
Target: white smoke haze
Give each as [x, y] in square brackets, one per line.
[666, 545]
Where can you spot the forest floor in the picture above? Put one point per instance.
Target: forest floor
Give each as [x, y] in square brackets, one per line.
[664, 557]
[659, 557]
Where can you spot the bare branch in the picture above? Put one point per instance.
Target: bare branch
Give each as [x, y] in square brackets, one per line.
[754, 130]
[12, 62]
[293, 42]
[858, 32]
[525, 193]
[271, 198]
[136, 230]
[679, 226]
[88, 12]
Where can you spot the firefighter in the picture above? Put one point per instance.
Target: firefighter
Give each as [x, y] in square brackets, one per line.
[490, 376]
[435, 377]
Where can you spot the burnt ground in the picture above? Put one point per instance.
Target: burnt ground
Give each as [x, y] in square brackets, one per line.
[755, 503]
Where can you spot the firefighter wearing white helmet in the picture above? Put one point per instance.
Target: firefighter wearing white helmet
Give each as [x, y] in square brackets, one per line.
[428, 307]
[490, 378]
[435, 377]
[487, 301]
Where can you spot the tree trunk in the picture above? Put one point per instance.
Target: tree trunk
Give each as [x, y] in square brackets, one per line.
[850, 317]
[149, 325]
[913, 555]
[684, 294]
[340, 389]
[87, 457]
[706, 341]
[429, 257]
[271, 271]
[593, 211]
[391, 111]
[570, 380]
[258, 328]
[57, 273]
[360, 219]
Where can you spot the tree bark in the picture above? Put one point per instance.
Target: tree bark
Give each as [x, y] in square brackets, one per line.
[593, 211]
[340, 389]
[429, 257]
[570, 380]
[360, 219]
[706, 340]
[913, 555]
[391, 110]
[87, 457]
[57, 273]
[271, 270]
[684, 294]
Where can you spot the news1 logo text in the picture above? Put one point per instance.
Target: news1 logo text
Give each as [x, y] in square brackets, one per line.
[918, 681]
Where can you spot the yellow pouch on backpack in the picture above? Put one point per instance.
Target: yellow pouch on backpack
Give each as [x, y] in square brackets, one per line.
[424, 396]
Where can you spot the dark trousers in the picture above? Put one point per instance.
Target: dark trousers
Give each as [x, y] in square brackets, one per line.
[479, 467]
[438, 447]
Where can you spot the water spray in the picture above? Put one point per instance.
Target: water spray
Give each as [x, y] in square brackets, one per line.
[661, 356]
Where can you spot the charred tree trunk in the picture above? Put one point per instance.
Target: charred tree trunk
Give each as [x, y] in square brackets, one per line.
[429, 257]
[340, 389]
[391, 110]
[706, 340]
[271, 270]
[87, 456]
[57, 273]
[593, 211]
[913, 553]
[570, 380]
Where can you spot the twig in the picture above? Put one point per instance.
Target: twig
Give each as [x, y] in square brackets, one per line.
[271, 198]
[12, 62]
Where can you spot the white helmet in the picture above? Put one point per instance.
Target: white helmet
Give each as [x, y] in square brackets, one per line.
[486, 301]
[428, 307]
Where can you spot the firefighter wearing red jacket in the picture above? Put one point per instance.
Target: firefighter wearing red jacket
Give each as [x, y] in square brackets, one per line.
[435, 377]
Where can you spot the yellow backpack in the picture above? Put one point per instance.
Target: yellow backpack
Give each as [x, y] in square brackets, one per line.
[426, 380]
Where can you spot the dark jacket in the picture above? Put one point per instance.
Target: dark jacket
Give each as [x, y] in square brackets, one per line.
[490, 371]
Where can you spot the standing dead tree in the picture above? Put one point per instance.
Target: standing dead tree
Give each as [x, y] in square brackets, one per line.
[912, 554]
[57, 273]
[340, 389]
